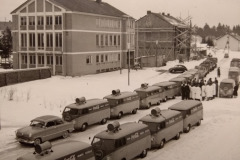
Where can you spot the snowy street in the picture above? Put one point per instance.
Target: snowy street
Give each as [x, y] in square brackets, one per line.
[217, 138]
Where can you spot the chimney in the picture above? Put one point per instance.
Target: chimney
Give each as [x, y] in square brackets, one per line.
[163, 13]
[149, 12]
[98, 1]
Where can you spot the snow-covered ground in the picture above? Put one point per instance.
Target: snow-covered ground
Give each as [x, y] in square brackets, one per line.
[218, 137]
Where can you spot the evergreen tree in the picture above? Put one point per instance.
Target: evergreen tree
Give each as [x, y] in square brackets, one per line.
[6, 43]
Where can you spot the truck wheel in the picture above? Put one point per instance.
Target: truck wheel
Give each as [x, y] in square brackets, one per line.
[161, 145]
[134, 111]
[119, 116]
[84, 127]
[199, 123]
[188, 128]
[177, 136]
[144, 153]
[104, 121]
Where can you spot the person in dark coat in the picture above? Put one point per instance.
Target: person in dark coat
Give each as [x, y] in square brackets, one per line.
[183, 91]
[235, 90]
[218, 72]
[209, 81]
[216, 82]
[187, 92]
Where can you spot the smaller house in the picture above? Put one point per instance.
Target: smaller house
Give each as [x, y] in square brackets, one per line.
[234, 42]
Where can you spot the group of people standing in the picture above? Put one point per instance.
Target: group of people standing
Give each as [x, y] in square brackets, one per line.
[200, 90]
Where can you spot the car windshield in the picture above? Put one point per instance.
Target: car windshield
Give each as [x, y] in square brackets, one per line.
[37, 124]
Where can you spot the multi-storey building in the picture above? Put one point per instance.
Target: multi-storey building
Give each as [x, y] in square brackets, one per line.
[74, 37]
[161, 37]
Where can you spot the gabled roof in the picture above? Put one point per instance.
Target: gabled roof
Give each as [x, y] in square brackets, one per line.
[234, 36]
[85, 6]
[172, 20]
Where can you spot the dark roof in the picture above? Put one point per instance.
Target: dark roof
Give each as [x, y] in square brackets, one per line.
[89, 103]
[185, 105]
[3, 25]
[121, 95]
[86, 6]
[163, 84]
[165, 114]
[59, 150]
[89, 6]
[148, 89]
[125, 129]
[172, 20]
[228, 81]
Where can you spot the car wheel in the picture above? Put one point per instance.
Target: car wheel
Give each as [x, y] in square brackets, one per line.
[144, 153]
[134, 111]
[104, 121]
[37, 141]
[119, 115]
[65, 134]
[165, 99]
[159, 102]
[84, 127]
[188, 128]
[172, 71]
[161, 145]
[177, 136]
[199, 123]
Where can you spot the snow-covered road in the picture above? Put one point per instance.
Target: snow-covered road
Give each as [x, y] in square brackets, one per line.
[216, 139]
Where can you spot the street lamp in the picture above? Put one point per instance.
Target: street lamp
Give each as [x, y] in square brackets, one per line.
[156, 51]
[128, 46]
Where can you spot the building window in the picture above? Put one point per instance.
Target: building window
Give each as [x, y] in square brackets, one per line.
[32, 59]
[106, 58]
[31, 20]
[24, 59]
[89, 60]
[106, 40]
[41, 59]
[102, 40]
[23, 21]
[97, 40]
[49, 60]
[115, 40]
[31, 39]
[40, 41]
[110, 40]
[97, 59]
[59, 60]
[119, 40]
[40, 20]
[49, 20]
[119, 57]
[49, 40]
[102, 58]
[58, 39]
[23, 39]
[58, 20]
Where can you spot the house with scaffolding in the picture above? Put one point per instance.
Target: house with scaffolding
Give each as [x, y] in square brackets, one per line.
[161, 37]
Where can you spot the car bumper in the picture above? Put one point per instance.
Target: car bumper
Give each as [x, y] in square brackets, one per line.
[25, 140]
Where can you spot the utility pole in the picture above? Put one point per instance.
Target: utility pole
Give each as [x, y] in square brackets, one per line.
[156, 52]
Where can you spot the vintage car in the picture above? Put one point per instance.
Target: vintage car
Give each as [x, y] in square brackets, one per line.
[43, 129]
[178, 68]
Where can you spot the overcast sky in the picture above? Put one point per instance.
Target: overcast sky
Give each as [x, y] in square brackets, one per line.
[202, 11]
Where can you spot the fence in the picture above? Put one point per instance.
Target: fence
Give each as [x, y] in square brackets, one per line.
[23, 75]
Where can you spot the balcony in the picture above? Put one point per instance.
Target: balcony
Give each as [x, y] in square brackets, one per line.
[31, 48]
[57, 27]
[23, 48]
[58, 49]
[23, 27]
[49, 48]
[31, 27]
[49, 27]
[40, 27]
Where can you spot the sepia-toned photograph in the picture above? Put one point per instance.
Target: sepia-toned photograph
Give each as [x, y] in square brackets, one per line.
[119, 80]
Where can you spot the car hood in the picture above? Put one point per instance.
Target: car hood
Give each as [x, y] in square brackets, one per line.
[29, 129]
